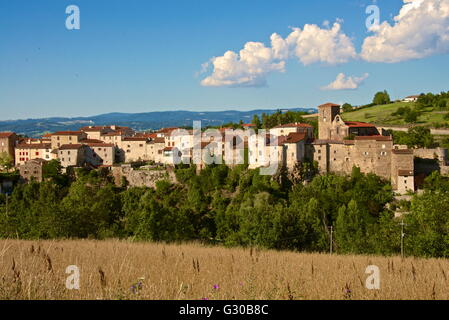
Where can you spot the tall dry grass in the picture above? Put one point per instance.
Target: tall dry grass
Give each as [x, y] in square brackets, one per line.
[111, 270]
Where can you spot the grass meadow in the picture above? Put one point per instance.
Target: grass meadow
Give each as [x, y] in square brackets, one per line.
[114, 269]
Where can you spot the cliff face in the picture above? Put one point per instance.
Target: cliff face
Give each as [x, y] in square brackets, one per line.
[143, 177]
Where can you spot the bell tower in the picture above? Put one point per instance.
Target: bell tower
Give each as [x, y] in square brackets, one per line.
[326, 115]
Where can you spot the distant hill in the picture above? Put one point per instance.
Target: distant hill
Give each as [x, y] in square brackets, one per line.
[137, 121]
[385, 115]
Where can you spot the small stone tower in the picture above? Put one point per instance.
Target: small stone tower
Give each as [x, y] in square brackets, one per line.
[326, 114]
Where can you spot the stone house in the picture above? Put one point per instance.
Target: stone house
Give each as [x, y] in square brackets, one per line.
[26, 152]
[61, 138]
[8, 141]
[32, 169]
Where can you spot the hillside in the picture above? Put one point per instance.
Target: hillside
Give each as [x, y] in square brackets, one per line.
[137, 121]
[383, 114]
[124, 270]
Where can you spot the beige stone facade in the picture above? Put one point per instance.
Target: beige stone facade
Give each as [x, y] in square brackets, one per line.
[32, 169]
[26, 152]
[8, 141]
[61, 138]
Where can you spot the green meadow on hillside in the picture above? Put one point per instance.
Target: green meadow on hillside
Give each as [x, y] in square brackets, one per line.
[383, 114]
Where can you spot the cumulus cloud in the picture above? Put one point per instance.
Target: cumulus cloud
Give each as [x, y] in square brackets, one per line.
[346, 83]
[421, 29]
[255, 61]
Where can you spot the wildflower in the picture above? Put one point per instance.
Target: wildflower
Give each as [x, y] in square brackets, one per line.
[216, 287]
[204, 298]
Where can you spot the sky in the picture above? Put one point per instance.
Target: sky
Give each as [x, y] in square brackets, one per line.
[209, 55]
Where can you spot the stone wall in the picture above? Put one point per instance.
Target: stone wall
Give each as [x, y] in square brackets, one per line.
[142, 177]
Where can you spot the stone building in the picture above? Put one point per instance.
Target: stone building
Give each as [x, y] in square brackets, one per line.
[29, 151]
[73, 155]
[8, 141]
[61, 138]
[32, 169]
[341, 145]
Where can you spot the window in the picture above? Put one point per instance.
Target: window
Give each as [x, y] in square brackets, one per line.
[141, 145]
[319, 150]
[319, 158]
[383, 153]
[366, 153]
[37, 153]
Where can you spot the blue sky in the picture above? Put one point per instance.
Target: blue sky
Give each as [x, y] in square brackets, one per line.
[139, 56]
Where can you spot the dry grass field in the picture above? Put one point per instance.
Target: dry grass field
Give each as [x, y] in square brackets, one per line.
[134, 270]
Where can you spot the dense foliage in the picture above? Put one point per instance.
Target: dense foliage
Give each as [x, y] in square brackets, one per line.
[233, 207]
[415, 137]
[381, 97]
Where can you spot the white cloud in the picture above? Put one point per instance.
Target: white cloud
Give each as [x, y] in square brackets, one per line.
[346, 83]
[421, 29]
[248, 68]
[255, 61]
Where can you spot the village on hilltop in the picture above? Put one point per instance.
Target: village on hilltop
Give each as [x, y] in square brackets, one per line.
[339, 146]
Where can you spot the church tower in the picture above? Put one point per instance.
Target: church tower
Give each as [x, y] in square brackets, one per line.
[326, 115]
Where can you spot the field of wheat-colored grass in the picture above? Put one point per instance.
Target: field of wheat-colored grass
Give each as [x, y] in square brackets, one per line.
[135, 270]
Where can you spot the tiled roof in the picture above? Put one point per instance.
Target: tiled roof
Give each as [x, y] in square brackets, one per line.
[158, 140]
[135, 139]
[295, 137]
[71, 146]
[34, 146]
[6, 134]
[356, 124]
[67, 133]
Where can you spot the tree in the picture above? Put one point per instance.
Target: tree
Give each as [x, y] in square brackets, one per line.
[381, 97]
[411, 116]
[256, 121]
[347, 107]
[6, 161]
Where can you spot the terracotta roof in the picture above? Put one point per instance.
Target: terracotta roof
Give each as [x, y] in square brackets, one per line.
[248, 125]
[376, 137]
[158, 140]
[415, 96]
[6, 134]
[294, 125]
[70, 146]
[168, 148]
[405, 173]
[47, 135]
[67, 133]
[295, 137]
[135, 139]
[356, 124]
[34, 146]
[146, 135]
[329, 104]
[167, 130]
